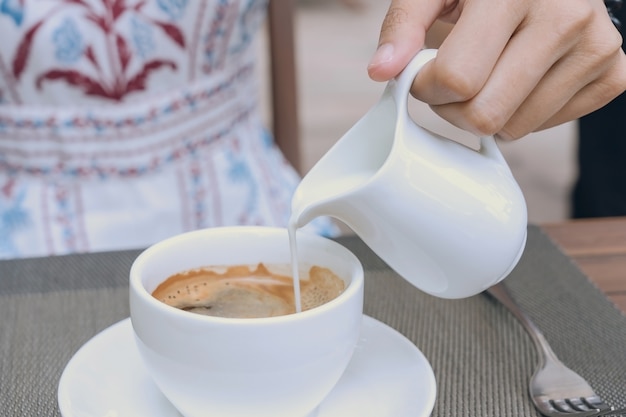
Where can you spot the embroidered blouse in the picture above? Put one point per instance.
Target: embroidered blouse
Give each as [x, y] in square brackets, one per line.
[123, 122]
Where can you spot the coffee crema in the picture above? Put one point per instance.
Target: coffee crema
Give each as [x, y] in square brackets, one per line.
[247, 291]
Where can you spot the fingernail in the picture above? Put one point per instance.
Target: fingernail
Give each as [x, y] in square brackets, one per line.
[383, 54]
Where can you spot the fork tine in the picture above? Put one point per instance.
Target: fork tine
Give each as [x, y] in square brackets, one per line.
[597, 402]
[579, 404]
[562, 406]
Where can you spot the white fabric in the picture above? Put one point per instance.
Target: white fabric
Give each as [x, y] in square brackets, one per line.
[125, 122]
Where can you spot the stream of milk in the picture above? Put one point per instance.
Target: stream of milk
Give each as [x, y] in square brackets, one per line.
[313, 196]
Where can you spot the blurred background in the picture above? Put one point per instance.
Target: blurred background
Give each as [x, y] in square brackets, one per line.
[334, 42]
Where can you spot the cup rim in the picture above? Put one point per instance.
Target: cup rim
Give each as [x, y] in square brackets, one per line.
[352, 290]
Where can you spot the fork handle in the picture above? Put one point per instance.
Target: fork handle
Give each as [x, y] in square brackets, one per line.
[501, 293]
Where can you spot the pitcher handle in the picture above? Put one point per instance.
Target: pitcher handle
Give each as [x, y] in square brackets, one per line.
[400, 88]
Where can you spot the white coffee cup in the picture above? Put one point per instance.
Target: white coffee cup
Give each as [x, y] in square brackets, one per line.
[226, 367]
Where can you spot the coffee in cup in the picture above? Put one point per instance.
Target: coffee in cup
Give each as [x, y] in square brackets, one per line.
[248, 291]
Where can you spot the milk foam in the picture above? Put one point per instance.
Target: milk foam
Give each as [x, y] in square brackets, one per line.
[245, 291]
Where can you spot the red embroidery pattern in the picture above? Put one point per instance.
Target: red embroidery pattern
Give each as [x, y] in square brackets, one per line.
[109, 127]
[117, 49]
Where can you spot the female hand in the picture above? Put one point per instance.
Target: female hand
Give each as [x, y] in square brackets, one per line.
[508, 67]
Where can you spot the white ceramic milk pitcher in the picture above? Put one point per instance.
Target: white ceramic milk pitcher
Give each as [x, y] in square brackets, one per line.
[449, 219]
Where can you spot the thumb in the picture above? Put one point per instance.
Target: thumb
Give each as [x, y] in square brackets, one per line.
[401, 36]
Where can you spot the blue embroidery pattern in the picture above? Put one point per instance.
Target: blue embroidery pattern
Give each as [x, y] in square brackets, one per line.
[142, 37]
[239, 172]
[248, 24]
[217, 31]
[173, 8]
[14, 9]
[66, 217]
[13, 217]
[68, 42]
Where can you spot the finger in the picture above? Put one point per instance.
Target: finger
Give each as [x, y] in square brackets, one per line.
[529, 85]
[402, 35]
[469, 54]
[588, 77]
[518, 71]
[590, 98]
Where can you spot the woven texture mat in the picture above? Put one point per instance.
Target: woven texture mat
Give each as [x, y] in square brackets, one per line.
[481, 356]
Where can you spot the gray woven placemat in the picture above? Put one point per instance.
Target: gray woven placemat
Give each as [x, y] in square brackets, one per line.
[481, 356]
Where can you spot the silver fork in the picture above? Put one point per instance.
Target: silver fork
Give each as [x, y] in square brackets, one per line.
[556, 390]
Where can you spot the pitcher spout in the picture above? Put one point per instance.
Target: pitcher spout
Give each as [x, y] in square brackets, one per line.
[341, 206]
[301, 217]
[348, 166]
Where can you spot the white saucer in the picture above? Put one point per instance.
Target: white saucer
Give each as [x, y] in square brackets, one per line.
[387, 377]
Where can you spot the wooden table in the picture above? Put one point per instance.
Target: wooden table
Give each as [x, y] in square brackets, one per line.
[598, 247]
